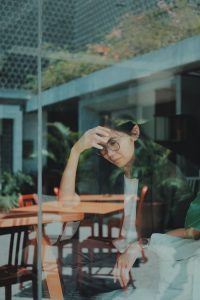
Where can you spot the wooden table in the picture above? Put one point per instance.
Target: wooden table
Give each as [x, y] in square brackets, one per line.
[64, 213]
[84, 207]
[91, 207]
[26, 217]
[102, 197]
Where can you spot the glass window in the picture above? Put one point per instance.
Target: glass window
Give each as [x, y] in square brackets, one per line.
[66, 68]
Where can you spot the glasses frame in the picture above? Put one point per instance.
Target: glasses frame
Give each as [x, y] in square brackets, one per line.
[107, 147]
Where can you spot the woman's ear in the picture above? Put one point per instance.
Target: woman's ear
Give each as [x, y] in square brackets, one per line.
[135, 132]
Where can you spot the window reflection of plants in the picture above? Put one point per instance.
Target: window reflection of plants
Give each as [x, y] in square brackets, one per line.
[160, 27]
[134, 35]
[166, 183]
[67, 67]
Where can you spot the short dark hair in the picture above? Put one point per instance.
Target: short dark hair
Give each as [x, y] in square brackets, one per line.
[123, 125]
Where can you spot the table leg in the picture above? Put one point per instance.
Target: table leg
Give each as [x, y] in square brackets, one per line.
[50, 268]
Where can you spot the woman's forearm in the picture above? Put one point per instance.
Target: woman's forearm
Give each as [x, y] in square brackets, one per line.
[92, 138]
[186, 233]
[68, 181]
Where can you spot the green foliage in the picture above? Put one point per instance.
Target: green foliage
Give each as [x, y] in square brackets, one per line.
[134, 35]
[8, 202]
[13, 184]
[87, 173]
[166, 183]
[153, 168]
[60, 141]
[61, 71]
[154, 29]
[193, 214]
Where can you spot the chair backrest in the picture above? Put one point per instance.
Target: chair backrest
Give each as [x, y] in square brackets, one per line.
[138, 222]
[27, 200]
[140, 210]
[18, 243]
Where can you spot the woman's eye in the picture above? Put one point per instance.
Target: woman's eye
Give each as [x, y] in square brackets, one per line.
[112, 143]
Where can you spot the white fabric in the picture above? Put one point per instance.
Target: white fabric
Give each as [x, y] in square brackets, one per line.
[179, 267]
[128, 232]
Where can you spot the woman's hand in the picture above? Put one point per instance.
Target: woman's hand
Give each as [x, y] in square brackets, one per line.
[124, 264]
[93, 138]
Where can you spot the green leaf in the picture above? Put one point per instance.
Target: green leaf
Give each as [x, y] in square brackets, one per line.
[61, 128]
[193, 214]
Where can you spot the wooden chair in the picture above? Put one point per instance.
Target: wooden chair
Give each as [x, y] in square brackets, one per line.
[27, 200]
[113, 222]
[17, 270]
[91, 245]
[32, 199]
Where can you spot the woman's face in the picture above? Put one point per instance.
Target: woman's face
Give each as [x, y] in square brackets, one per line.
[119, 150]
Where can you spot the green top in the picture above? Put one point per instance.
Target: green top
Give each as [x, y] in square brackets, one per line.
[193, 214]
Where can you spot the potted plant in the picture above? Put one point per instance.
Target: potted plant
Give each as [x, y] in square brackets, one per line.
[12, 185]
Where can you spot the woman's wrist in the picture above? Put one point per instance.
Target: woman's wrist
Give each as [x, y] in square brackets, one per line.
[192, 233]
[137, 248]
[76, 149]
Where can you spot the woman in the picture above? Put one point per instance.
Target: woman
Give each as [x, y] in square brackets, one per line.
[117, 145]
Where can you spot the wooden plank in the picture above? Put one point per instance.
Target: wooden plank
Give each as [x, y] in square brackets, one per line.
[25, 218]
[83, 207]
[102, 197]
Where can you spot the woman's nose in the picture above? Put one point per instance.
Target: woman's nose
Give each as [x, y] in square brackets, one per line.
[110, 152]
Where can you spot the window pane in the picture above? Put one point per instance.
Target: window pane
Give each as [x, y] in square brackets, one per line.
[67, 67]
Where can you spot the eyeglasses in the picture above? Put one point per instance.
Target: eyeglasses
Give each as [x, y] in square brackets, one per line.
[111, 145]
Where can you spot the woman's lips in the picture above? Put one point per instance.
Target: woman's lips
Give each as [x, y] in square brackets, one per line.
[115, 161]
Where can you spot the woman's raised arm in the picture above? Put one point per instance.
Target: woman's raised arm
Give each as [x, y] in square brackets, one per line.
[92, 138]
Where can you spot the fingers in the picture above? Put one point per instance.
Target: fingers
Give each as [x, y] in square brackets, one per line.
[102, 131]
[99, 135]
[115, 273]
[121, 273]
[124, 276]
[93, 138]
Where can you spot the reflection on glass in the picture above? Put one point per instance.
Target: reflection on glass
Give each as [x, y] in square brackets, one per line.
[95, 62]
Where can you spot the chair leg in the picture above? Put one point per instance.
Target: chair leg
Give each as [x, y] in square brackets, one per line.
[80, 265]
[8, 292]
[34, 289]
[60, 253]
